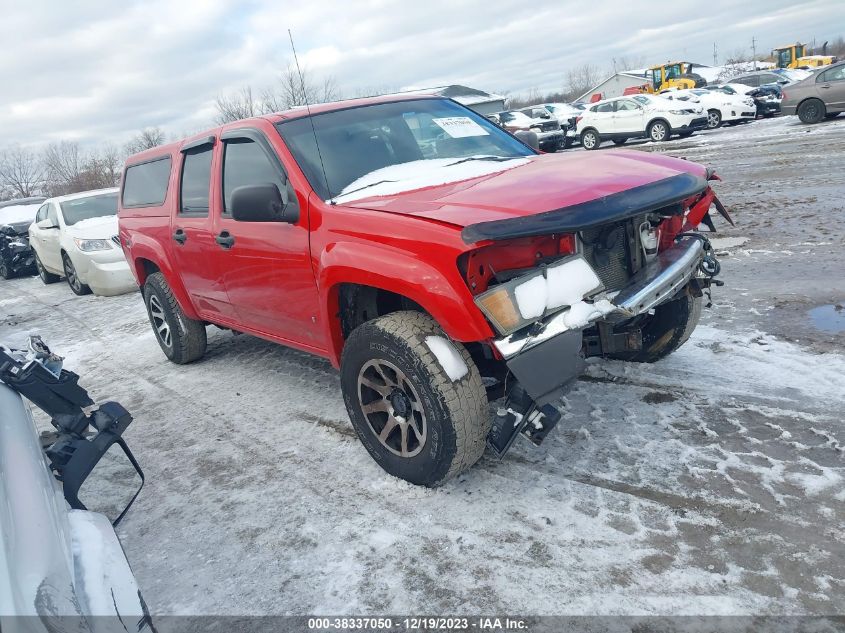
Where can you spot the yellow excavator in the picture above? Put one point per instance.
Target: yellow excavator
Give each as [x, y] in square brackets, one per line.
[794, 56]
[672, 75]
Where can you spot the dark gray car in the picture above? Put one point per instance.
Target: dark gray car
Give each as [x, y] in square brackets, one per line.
[819, 96]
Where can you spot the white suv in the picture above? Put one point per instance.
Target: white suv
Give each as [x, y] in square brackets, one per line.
[75, 237]
[721, 107]
[638, 116]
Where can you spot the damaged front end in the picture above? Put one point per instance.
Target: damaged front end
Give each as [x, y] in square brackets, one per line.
[617, 260]
[16, 255]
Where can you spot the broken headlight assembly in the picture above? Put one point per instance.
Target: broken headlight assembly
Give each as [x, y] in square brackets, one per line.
[519, 302]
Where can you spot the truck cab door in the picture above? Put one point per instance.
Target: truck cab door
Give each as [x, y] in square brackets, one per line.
[192, 246]
[266, 266]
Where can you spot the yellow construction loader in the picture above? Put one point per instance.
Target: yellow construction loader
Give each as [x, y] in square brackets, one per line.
[672, 75]
[794, 56]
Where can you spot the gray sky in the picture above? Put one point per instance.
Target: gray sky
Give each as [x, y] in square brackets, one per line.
[99, 71]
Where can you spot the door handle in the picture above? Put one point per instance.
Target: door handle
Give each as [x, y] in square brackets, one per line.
[825, 86]
[225, 239]
[180, 236]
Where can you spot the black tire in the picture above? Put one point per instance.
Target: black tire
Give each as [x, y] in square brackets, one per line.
[567, 142]
[5, 272]
[811, 111]
[182, 339]
[665, 331]
[714, 119]
[451, 418]
[46, 277]
[590, 139]
[659, 131]
[72, 278]
[686, 134]
[620, 141]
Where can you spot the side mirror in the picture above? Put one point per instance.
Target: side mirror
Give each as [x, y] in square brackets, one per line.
[261, 203]
[529, 138]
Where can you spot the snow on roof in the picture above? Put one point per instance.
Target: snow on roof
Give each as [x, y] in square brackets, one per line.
[12, 214]
[84, 194]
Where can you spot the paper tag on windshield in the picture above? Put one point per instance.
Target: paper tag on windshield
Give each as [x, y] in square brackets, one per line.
[460, 126]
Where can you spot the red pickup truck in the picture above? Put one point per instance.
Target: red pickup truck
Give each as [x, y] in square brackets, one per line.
[438, 261]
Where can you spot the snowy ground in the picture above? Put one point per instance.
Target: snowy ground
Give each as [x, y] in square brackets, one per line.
[710, 483]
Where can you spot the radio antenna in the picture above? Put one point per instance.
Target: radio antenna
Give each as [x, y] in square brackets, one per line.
[310, 118]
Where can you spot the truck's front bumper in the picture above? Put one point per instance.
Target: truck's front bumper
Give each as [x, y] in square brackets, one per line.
[545, 358]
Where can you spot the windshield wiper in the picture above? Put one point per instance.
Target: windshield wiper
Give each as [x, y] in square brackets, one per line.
[496, 159]
[372, 184]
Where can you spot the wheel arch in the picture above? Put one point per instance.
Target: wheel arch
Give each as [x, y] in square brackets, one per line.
[147, 257]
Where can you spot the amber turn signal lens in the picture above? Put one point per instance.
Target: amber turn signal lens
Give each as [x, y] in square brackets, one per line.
[499, 306]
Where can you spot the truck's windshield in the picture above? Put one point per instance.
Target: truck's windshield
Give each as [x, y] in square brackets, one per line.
[357, 141]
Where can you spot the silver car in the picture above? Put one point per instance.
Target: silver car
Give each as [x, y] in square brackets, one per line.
[819, 96]
[61, 564]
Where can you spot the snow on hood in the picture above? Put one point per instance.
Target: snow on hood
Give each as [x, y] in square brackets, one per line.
[420, 174]
[539, 183]
[94, 228]
[18, 213]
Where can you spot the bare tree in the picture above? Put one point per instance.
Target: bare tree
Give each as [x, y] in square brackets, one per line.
[63, 167]
[294, 90]
[582, 78]
[20, 172]
[240, 105]
[145, 139]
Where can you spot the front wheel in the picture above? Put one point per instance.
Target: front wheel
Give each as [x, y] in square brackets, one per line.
[5, 271]
[664, 331]
[181, 338]
[811, 111]
[45, 276]
[659, 131]
[590, 139]
[415, 398]
[714, 119]
[72, 277]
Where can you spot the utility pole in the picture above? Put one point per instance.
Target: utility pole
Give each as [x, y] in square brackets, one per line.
[715, 63]
[754, 51]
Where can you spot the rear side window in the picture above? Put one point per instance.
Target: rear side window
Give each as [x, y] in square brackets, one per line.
[603, 107]
[196, 180]
[145, 185]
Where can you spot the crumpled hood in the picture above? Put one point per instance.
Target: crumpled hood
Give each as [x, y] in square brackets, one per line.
[547, 182]
[94, 228]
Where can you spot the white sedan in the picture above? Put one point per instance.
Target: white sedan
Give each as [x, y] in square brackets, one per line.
[722, 106]
[75, 237]
[638, 116]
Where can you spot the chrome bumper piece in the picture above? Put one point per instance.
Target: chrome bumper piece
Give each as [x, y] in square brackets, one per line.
[657, 282]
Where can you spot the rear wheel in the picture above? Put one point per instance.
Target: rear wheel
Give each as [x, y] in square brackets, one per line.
[72, 277]
[620, 141]
[714, 119]
[590, 139]
[46, 277]
[664, 331]
[659, 131]
[182, 339]
[811, 111]
[415, 398]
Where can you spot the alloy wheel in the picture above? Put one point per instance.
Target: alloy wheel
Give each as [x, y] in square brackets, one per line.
[160, 324]
[658, 132]
[589, 141]
[713, 120]
[71, 276]
[392, 408]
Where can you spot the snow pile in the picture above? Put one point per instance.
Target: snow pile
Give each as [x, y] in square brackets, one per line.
[419, 174]
[448, 357]
[18, 213]
[582, 313]
[563, 285]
